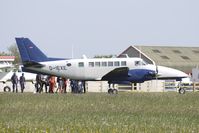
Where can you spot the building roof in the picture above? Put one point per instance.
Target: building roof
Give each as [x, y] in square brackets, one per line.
[7, 58]
[182, 58]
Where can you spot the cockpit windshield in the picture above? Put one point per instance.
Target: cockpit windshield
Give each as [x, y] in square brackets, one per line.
[140, 63]
[144, 63]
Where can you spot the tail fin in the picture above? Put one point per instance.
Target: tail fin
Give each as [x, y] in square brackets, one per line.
[30, 52]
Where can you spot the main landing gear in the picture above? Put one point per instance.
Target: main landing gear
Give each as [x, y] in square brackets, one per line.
[112, 90]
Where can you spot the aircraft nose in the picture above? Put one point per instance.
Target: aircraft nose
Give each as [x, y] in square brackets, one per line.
[170, 72]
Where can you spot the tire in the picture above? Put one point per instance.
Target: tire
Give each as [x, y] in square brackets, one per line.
[110, 91]
[115, 91]
[181, 91]
[6, 89]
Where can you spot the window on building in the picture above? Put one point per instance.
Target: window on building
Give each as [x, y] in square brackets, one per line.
[123, 63]
[91, 64]
[164, 57]
[116, 63]
[97, 64]
[177, 51]
[104, 64]
[110, 63]
[185, 58]
[81, 64]
[156, 51]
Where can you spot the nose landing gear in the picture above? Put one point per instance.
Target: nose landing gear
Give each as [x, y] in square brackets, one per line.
[181, 91]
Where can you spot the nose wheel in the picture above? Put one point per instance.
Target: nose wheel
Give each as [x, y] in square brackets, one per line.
[181, 91]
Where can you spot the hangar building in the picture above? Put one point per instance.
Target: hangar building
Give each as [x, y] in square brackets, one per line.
[181, 58]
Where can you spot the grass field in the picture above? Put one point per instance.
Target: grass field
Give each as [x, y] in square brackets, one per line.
[99, 112]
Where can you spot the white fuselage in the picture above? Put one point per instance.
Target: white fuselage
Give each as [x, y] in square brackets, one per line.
[95, 69]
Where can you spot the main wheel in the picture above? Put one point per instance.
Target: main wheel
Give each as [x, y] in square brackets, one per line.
[110, 91]
[115, 91]
[181, 91]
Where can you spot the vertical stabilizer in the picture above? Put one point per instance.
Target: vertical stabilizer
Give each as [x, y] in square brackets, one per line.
[30, 52]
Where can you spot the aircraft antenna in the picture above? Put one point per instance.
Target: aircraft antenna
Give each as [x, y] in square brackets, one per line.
[72, 52]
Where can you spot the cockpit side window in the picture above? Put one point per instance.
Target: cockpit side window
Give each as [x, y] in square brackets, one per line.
[137, 63]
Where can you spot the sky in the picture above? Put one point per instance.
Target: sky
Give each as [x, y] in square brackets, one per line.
[98, 27]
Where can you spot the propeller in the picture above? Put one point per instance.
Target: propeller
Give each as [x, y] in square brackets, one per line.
[156, 74]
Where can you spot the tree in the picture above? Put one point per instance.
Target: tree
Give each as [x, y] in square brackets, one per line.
[4, 54]
[13, 50]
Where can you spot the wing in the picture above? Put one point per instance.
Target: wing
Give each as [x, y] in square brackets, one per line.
[116, 73]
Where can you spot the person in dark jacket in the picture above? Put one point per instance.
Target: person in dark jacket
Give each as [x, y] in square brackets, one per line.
[14, 80]
[38, 83]
[22, 81]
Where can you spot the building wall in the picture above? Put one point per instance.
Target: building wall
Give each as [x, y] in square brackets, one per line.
[97, 86]
[148, 86]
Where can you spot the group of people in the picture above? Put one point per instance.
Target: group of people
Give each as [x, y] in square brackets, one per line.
[15, 80]
[77, 86]
[51, 84]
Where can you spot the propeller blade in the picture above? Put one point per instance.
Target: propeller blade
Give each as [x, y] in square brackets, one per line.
[156, 69]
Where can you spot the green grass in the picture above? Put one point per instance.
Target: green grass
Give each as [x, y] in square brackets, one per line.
[99, 112]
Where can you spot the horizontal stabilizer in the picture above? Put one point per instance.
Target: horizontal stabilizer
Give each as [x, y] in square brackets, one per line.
[32, 64]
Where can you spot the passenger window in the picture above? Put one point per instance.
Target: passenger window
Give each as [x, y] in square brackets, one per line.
[104, 64]
[81, 64]
[123, 63]
[97, 64]
[91, 64]
[116, 63]
[110, 63]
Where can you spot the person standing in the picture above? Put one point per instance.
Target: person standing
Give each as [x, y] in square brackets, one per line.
[14, 80]
[64, 84]
[22, 82]
[38, 83]
[45, 82]
[60, 84]
[51, 84]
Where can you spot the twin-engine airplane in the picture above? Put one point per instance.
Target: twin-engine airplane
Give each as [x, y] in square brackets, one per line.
[113, 70]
